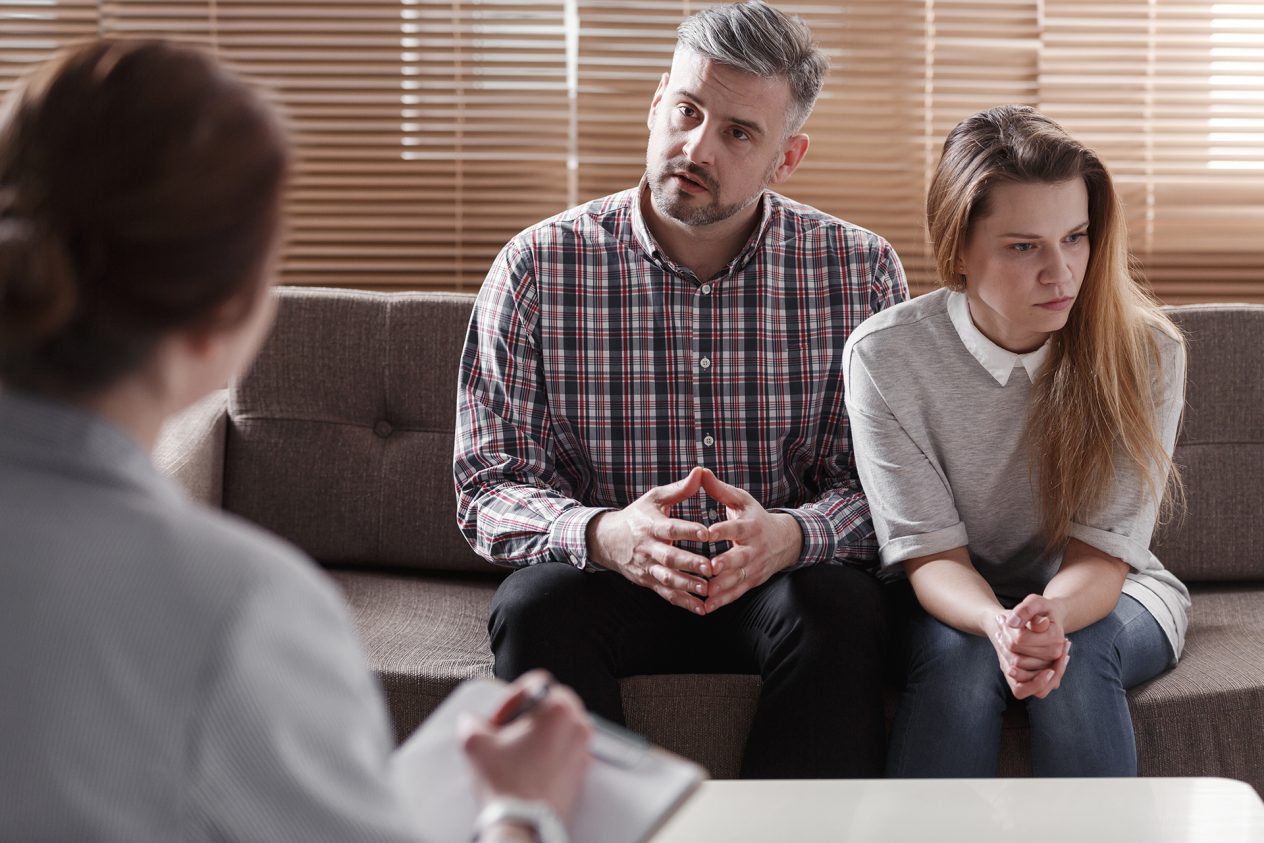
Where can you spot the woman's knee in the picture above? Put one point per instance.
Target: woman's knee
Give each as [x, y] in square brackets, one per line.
[957, 668]
[1121, 650]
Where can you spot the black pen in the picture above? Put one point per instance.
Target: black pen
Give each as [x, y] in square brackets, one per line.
[528, 703]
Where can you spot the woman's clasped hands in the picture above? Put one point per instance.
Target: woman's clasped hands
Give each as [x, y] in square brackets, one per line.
[1031, 647]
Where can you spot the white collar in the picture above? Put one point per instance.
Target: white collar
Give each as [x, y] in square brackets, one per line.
[998, 361]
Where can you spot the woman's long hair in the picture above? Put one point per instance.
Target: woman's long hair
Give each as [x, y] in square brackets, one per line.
[1095, 400]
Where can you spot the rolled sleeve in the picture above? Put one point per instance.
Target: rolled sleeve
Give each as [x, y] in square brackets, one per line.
[903, 548]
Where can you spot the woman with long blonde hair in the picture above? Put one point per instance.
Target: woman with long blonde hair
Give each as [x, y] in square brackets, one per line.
[1014, 433]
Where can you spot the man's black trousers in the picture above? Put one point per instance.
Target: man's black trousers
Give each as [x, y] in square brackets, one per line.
[814, 635]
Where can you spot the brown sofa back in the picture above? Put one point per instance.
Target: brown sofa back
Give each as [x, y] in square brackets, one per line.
[1220, 451]
[340, 436]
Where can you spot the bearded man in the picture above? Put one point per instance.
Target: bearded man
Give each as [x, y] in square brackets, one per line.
[650, 422]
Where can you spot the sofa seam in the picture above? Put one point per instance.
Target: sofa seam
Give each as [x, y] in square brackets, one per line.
[386, 415]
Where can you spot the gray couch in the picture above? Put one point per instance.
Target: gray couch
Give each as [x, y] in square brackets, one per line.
[340, 440]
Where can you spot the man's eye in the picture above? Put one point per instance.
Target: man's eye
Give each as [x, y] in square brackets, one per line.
[1023, 247]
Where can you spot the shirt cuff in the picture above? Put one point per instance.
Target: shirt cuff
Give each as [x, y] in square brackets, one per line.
[568, 536]
[819, 539]
[904, 548]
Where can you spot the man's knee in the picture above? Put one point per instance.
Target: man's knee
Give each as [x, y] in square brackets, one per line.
[825, 610]
[532, 603]
[835, 600]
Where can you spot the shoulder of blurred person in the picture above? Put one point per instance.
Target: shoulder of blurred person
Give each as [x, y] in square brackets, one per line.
[177, 664]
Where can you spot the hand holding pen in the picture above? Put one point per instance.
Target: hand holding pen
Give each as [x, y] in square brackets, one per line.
[534, 746]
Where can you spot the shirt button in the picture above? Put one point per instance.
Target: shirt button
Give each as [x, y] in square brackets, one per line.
[706, 289]
[705, 362]
[708, 440]
[715, 516]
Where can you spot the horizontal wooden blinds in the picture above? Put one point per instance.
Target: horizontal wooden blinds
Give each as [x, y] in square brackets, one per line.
[428, 133]
[1172, 95]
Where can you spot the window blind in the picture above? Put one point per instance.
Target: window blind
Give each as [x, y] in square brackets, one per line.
[427, 133]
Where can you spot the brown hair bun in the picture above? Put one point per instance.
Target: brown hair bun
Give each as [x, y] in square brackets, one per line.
[140, 193]
[38, 292]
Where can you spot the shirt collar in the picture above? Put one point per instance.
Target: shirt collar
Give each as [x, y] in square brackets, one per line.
[998, 361]
[641, 232]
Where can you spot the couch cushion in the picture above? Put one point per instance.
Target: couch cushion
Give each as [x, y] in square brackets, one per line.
[1220, 451]
[340, 435]
[1206, 716]
[423, 635]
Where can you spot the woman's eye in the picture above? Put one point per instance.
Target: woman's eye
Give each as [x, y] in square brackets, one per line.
[1023, 247]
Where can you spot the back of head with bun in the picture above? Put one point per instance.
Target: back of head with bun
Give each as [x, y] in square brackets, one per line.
[140, 194]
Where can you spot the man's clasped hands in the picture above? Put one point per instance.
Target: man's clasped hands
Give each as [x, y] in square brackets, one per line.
[639, 542]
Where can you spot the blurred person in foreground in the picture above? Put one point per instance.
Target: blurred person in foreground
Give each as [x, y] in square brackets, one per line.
[172, 673]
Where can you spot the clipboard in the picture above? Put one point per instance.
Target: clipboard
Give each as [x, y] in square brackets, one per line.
[631, 788]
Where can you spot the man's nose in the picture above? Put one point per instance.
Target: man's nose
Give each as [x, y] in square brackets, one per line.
[699, 145]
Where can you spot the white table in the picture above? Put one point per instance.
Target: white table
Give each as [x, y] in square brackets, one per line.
[970, 811]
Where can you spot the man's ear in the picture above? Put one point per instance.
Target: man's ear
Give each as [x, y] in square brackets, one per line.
[658, 95]
[792, 152]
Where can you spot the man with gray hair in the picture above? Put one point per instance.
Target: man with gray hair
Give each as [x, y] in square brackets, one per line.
[650, 422]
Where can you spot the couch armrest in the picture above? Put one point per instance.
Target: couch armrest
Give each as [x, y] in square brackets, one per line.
[190, 448]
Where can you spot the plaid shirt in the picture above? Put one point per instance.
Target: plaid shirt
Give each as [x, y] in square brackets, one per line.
[595, 368]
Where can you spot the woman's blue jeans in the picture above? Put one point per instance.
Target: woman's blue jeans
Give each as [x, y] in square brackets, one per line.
[949, 720]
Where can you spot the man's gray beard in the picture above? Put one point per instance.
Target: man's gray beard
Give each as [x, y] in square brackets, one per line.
[708, 214]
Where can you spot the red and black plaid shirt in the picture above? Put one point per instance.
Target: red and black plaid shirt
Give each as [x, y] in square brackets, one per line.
[595, 368]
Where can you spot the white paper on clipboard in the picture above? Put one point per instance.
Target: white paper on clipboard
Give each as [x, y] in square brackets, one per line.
[632, 787]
